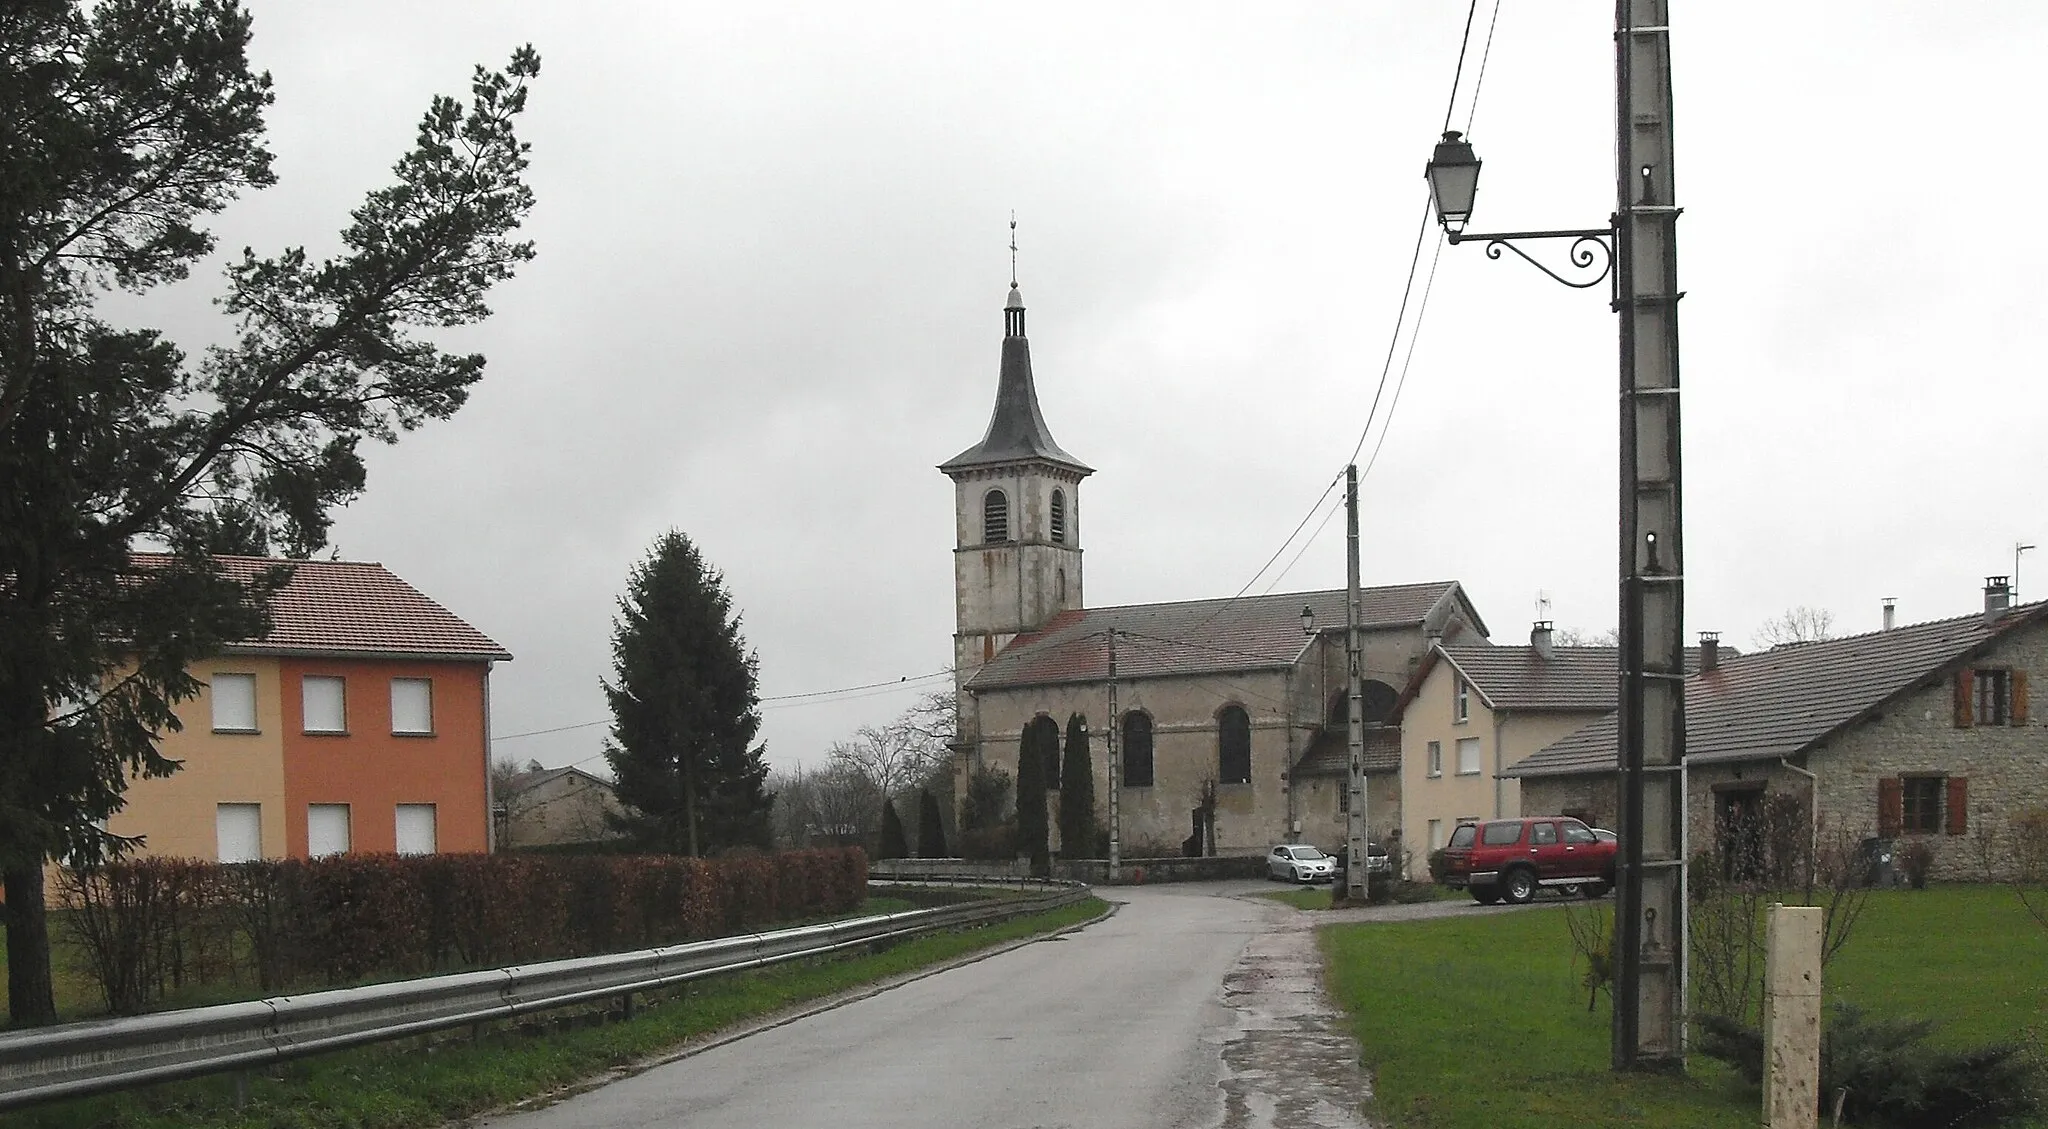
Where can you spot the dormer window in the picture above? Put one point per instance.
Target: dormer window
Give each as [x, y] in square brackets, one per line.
[995, 518]
[1059, 516]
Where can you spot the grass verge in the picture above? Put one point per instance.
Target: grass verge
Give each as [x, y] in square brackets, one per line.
[1483, 1021]
[397, 1086]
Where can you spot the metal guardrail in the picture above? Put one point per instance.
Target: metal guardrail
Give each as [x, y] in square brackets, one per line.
[102, 1055]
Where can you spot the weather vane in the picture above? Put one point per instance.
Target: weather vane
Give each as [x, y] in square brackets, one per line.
[1013, 250]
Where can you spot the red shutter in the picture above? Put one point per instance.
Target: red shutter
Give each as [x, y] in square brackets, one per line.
[1891, 806]
[1958, 805]
[2019, 697]
[1965, 693]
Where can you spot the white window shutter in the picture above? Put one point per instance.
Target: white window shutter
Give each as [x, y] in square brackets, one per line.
[412, 705]
[234, 701]
[238, 832]
[416, 829]
[326, 704]
[327, 831]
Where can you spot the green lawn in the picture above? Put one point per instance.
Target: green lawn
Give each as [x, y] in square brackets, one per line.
[1482, 1021]
[1311, 897]
[411, 1085]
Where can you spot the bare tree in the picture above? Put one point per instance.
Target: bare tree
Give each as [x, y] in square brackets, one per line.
[1802, 624]
[835, 805]
[1581, 637]
[893, 758]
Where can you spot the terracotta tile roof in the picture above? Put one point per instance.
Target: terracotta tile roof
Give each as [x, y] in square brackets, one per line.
[356, 607]
[1572, 678]
[1199, 636]
[1781, 702]
[1330, 753]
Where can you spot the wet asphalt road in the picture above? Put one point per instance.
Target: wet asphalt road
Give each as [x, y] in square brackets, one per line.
[1189, 1007]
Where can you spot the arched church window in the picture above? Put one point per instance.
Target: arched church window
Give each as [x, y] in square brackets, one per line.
[1137, 750]
[995, 517]
[1059, 516]
[1233, 746]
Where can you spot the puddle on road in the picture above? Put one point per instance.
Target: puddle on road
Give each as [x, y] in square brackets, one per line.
[1288, 1059]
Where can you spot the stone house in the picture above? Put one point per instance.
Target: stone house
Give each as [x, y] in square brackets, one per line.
[1472, 712]
[1234, 691]
[1921, 732]
[555, 806]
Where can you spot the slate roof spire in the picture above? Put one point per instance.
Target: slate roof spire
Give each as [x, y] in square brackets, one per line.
[1016, 429]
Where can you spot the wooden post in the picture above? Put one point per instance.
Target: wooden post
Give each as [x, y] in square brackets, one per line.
[1792, 1017]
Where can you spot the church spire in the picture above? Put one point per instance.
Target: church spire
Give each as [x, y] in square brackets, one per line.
[1016, 429]
[1013, 313]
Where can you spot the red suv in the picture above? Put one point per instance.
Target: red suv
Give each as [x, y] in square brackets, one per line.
[1509, 859]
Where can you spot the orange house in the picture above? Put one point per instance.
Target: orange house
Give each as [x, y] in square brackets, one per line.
[360, 723]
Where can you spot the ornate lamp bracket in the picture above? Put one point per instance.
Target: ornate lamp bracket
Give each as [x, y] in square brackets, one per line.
[1590, 246]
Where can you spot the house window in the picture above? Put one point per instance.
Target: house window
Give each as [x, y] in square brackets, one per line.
[1993, 696]
[234, 702]
[412, 706]
[1468, 756]
[1461, 702]
[416, 834]
[1436, 758]
[1137, 750]
[1059, 516]
[326, 704]
[995, 518]
[1233, 746]
[238, 832]
[1920, 805]
[326, 830]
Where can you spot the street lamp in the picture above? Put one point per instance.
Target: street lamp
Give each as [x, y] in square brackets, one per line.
[1453, 173]
[1308, 620]
[1638, 251]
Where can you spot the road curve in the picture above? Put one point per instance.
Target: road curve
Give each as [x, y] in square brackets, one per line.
[1188, 1008]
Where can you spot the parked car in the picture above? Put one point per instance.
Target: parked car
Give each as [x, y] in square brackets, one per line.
[1510, 859]
[1296, 862]
[1377, 860]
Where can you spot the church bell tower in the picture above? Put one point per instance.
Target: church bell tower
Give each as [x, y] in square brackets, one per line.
[1017, 515]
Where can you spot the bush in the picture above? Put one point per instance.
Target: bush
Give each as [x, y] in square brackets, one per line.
[1439, 866]
[894, 843]
[153, 925]
[1916, 861]
[1882, 1071]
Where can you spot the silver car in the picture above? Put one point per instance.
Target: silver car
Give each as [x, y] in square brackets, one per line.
[1294, 862]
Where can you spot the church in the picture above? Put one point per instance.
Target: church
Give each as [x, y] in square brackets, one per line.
[1240, 698]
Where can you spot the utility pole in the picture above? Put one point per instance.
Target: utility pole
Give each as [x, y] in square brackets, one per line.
[1116, 774]
[1356, 860]
[1650, 912]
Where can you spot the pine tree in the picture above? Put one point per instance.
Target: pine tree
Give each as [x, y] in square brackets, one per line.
[128, 125]
[931, 830]
[1034, 751]
[685, 709]
[1077, 794]
[894, 846]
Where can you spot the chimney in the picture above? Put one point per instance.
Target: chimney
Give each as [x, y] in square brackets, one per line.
[1890, 612]
[1539, 638]
[1710, 651]
[1997, 597]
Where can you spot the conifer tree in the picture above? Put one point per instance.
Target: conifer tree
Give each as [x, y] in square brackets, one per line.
[685, 710]
[1037, 747]
[931, 830]
[1077, 793]
[894, 845]
[128, 125]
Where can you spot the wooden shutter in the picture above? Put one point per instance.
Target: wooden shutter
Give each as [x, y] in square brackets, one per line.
[2018, 711]
[1965, 698]
[1891, 806]
[1958, 805]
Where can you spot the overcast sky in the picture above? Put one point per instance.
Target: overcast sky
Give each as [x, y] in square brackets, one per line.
[773, 253]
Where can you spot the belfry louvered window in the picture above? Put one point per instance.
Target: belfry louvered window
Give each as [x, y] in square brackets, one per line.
[995, 517]
[1059, 517]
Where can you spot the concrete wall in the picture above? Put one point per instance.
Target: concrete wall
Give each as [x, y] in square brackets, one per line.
[176, 812]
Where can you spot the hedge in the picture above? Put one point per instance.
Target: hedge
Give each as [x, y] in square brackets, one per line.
[151, 926]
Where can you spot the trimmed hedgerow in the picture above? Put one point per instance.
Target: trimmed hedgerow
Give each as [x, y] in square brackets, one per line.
[153, 925]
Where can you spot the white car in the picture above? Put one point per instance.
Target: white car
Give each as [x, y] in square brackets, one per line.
[1294, 862]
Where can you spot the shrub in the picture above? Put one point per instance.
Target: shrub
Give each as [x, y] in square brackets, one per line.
[1916, 861]
[1883, 1071]
[894, 845]
[1439, 866]
[931, 828]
